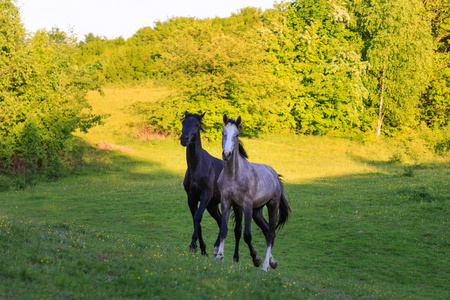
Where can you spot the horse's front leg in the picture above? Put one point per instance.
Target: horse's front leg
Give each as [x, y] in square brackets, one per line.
[248, 210]
[224, 227]
[192, 202]
[237, 232]
[204, 201]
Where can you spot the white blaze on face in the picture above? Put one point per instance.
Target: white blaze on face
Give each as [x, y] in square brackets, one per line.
[229, 132]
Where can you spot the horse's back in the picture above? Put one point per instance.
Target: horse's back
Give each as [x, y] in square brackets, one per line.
[265, 173]
[267, 183]
[258, 182]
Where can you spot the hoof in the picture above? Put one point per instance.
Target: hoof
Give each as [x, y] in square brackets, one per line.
[219, 257]
[193, 248]
[235, 259]
[264, 269]
[273, 263]
[257, 261]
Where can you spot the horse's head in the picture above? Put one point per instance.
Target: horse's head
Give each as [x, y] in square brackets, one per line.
[230, 136]
[192, 124]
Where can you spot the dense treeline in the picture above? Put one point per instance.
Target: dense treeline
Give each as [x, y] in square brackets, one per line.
[42, 98]
[305, 66]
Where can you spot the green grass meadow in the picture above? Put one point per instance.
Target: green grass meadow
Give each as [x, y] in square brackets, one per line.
[363, 225]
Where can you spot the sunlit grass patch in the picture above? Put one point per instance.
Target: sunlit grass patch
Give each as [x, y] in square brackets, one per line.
[116, 102]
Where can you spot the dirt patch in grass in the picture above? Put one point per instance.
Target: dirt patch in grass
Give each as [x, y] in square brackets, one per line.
[148, 133]
[108, 146]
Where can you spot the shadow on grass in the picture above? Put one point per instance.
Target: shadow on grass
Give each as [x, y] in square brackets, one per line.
[103, 162]
[110, 191]
[394, 167]
[377, 229]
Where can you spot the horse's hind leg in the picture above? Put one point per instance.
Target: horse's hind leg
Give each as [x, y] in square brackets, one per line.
[260, 221]
[272, 206]
[248, 236]
[237, 232]
[214, 211]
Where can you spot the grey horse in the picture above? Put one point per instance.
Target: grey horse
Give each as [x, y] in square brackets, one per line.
[250, 187]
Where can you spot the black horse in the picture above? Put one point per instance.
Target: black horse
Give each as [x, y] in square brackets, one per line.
[200, 183]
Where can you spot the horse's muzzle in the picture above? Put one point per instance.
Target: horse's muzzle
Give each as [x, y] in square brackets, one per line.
[184, 141]
[226, 156]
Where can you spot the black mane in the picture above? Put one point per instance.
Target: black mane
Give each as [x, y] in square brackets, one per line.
[198, 117]
[242, 151]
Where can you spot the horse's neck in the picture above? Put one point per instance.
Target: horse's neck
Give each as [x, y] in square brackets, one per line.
[232, 167]
[193, 153]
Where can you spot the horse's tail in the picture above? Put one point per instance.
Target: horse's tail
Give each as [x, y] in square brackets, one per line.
[284, 210]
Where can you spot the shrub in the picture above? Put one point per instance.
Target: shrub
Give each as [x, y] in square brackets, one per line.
[5, 183]
[443, 147]
[42, 97]
[397, 157]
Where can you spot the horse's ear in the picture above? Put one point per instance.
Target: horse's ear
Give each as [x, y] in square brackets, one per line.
[238, 121]
[225, 119]
[186, 113]
[202, 115]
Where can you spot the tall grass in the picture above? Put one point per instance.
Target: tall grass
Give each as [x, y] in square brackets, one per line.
[120, 227]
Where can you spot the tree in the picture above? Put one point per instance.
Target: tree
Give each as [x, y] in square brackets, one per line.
[42, 96]
[14, 71]
[221, 66]
[436, 101]
[399, 50]
[327, 65]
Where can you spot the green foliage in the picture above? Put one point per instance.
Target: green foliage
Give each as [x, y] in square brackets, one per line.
[441, 141]
[221, 67]
[409, 171]
[311, 67]
[42, 97]
[121, 61]
[330, 94]
[277, 70]
[397, 157]
[5, 183]
[443, 146]
[436, 101]
[398, 48]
